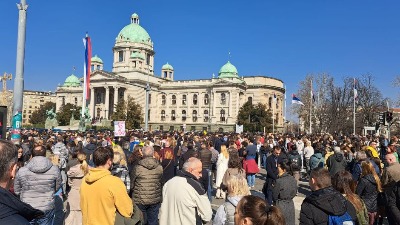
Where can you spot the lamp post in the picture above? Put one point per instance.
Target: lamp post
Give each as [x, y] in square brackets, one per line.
[146, 111]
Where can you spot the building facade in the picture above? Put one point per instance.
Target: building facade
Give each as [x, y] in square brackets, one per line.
[204, 104]
[32, 100]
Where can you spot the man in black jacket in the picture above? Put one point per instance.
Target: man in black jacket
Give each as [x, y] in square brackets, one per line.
[272, 172]
[324, 201]
[12, 210]
[393, 204]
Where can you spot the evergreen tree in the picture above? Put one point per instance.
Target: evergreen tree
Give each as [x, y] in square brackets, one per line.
[134, 115]
[39, 116]
[120, 111]
[255, 117]
[65, 113]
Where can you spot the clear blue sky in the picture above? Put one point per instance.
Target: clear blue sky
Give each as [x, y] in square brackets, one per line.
[284, 39]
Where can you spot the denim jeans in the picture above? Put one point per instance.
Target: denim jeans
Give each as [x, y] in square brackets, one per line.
[47, 219]
[251, 178]
[150, 213]
[209, 189]
[264, 161]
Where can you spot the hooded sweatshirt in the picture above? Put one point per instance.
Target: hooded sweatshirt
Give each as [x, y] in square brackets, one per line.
[221, 214]
[36, 183]
[101, 196]
[336, 163]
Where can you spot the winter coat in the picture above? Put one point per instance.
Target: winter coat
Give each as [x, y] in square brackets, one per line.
[14, 211]
[393, 204]
[367, 190]
[357, 169]
[222, 166]
[317, 207]
[336, 163]
[168, 163]
[88, 150]
[61, 151]
[316, 160]
[205, 158]
[250, 166]
[75, 176]
[226, 212]
[272, 171]
[37, 182]
[283, 192]
[146, 180]
[294, 160]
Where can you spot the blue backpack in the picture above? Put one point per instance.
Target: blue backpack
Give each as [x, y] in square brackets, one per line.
[344, 219]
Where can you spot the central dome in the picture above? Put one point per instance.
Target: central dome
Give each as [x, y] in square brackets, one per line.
[134, 32]
[227, 71]
[72, 81]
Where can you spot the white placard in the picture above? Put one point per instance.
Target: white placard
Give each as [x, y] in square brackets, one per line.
[119, 128]
[239, 129]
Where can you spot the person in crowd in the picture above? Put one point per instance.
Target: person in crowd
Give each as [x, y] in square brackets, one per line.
[237, 188]
[117, 148]
[214, 159]
[37, 182]
[20, 160]
[324, 201]
[336, 161]
[251, 168]
[222, 166]
[368, 188]
[146, 179]
[189, 205]
[61, 153]
[294, 163]
[373, 148]
[120, 170]
[12, 210]
[391, 174]
[308, 152]
[103, 195]
[283, 192]
[89, 149]
[253, 210]
[264, 150]
[272, 173]
[205, 156]
[393, 205]
[234, 169]
[343, 182]
[75, 175]
[357, 170]
[316, 160]
[391, 149]
[168, 161]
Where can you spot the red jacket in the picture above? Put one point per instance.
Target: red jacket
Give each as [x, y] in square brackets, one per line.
[250, 166]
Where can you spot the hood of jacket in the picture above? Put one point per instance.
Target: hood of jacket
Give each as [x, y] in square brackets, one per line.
[96, 174]
[318, 155]
[234, 199]
[149, 163]
[328, 200]
[89, 148]
[339, 157]
[39, 164]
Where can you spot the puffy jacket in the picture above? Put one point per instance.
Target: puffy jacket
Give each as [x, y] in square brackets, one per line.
[225, 214]
[36, 183]
[316, 160]
[146, 180]
[367, 190]
[317, 207]
[336, 163]
[14, 211]
[393, 204]
[205, 158]
[294, 160]
[60, 150]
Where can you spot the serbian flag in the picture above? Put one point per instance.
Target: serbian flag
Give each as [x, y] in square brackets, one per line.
[355, 90]
[296, 100]
[87, 66]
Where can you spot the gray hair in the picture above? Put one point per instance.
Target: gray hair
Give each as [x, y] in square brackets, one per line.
[361, 155]
[336, 149]
[147, 151]
[190, 163]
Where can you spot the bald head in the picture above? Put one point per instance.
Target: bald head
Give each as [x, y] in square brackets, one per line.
[194, 166]
[390, 158]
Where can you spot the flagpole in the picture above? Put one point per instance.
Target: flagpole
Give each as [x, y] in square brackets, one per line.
[84, 85]
[311, 99]
[273, 115]
[354, 106]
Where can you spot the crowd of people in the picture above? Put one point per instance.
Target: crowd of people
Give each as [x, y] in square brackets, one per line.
[171, 178]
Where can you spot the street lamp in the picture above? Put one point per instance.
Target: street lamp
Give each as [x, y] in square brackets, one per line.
[146, 111]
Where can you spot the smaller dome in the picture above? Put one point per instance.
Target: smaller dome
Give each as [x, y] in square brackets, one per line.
[97, 59]
[227, 71]
[167, 67]
[72, 81]
[135, 15]
[137, 55]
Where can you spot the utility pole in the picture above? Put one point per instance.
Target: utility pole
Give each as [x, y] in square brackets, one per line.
[19, 74]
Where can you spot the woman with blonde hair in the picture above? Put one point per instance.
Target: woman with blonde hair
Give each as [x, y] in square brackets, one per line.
[117, 148]
[75, 175]
[222, 166]
[368, 189]
[237, 188]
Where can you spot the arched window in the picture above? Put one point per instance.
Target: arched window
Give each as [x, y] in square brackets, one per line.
[277, 103]
[162, 115]
[222, 115]
[173, 99]
[149, 98]
[270, 102]
[194, 115]
[183, 99]
[250, 99]
[206, 116]
[223, 98]
[173, 116]
[148, 115]
[194, 99]
[63, 101]
[163, 100]
[206, 99]
[98, 112]
[183, 115]
[120, 56]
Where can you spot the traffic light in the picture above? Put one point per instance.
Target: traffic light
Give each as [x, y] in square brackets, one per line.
[389, 116]
[382, 118]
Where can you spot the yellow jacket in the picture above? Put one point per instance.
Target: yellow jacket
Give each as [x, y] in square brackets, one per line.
[373, 151]
[101, 196]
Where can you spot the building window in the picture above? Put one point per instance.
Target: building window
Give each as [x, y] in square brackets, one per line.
[163, 100]
[173, 117]
[206, 99]
[223, 98]
[222, 115]
[162, 115]
[30, 111]
[148, 59]
[183, 99]
[276, 118]
[161, 127]
[194, 116]
[98, 67]
[149, 98]
[195, 99]
[250, 99]
[148, 115]
[165, 74]
[173, 100]
[193, 128]
[76, 101]
[270, 102]
[183, 115]
[120, 56]
[277, 103]
[93, 68]
[98, 113]
[206, 116]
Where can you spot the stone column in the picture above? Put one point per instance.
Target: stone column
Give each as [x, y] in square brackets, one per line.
[107, 103]
[237, 102]
[230, 104]
[92, 103]
[212, 95]
[115, 97]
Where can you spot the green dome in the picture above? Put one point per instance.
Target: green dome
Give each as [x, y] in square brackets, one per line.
[167, 67]
[134, 32]
[136, 55]
[97, 59]
[72, 81]
[227, 71]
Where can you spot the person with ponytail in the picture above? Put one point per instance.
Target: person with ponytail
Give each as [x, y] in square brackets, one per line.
[253, 210]
[75, 175]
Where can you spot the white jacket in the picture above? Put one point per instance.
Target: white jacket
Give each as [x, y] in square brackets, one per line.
[180, 202]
